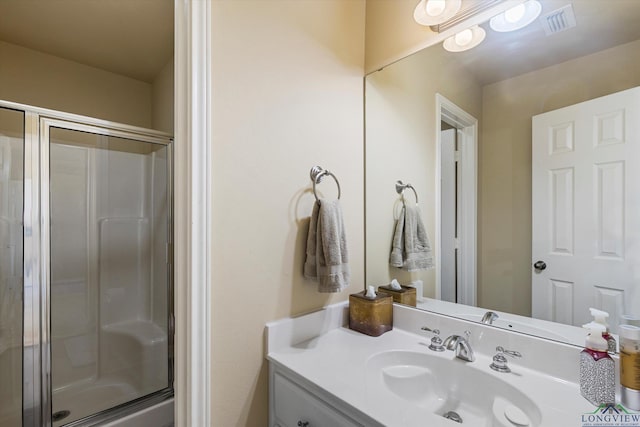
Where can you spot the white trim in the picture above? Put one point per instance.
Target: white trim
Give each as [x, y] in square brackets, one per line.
[107, 125]
[447, 111]
[193, 212]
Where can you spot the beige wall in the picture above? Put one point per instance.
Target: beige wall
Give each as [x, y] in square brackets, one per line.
[400, 145]
[42, 80]
[162, 99]
[391, 32]
[287, 91]
[505, 162]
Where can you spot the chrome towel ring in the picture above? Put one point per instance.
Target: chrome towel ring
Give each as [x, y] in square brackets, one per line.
[317, 173]
[400, 187]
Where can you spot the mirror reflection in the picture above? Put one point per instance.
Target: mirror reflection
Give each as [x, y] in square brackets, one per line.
[524, 153]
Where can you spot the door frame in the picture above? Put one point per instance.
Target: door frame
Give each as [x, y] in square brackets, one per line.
[193, 237]
[467, 126]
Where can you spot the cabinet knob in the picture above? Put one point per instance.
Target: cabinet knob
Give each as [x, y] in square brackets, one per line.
[303, 423]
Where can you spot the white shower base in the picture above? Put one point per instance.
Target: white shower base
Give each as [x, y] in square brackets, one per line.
[133, 365]
[160, 415]
[85, 399]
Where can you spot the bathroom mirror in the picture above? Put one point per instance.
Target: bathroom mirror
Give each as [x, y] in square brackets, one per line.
[478, 211]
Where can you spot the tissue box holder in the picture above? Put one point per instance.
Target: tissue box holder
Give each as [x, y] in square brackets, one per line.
[369, 316]
[406, 295]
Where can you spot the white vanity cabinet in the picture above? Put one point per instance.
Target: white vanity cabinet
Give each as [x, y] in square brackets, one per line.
[292, 403]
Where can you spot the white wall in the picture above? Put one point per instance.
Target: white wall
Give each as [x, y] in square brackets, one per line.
[287, 90]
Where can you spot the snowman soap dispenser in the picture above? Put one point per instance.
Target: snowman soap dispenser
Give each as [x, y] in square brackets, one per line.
[597, 368]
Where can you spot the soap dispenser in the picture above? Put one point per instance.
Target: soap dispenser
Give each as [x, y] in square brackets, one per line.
[597, 368]
[600, 317]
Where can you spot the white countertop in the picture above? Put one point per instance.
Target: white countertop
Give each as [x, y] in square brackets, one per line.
[320, 349]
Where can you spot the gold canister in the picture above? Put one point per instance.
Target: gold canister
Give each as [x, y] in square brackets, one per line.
[630, 366]
[371, 316]
[406, 295]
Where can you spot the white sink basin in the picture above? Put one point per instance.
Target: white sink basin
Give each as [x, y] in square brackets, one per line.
[417, 382]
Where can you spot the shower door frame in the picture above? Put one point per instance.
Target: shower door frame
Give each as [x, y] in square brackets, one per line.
[37, 407]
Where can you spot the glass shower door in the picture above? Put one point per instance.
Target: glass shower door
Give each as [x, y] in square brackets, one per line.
[109, 272]
[11, 273]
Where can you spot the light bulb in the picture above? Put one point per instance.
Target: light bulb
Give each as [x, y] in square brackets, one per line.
[517, 17]
[514, 14]
[463, 38]
[434, 12]
[435, 7]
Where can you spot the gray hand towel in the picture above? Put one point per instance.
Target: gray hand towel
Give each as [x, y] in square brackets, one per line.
[411, 249]
[326, 256]
[396, 259]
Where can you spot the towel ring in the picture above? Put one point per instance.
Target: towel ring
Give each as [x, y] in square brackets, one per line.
[317, 173]
[400, 187]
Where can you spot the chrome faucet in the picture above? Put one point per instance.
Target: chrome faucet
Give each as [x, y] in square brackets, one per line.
[489, 317]
[436, 341]
[460, 345]
[500, 362]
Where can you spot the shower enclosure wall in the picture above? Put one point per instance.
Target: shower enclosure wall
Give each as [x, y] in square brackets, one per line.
[85, 268]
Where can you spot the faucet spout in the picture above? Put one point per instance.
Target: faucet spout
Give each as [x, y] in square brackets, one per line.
[489, 317]
[460, 345]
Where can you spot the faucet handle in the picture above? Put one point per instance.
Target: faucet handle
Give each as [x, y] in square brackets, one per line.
[436, 341]
[428, 329]
[500, 361]
[511, 353]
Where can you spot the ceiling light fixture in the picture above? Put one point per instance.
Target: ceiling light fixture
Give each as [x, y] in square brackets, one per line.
[465, 39]
[467, 12]
[517, 17]
[434, 12]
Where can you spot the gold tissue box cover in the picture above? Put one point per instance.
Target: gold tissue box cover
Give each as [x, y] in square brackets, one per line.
[406, 295]
[369, 316]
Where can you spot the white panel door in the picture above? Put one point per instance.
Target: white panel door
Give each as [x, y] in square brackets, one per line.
[586, 209]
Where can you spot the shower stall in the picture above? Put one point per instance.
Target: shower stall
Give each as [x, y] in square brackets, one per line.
[86, 324]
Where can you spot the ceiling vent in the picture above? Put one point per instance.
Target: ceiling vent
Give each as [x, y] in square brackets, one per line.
[558, 20]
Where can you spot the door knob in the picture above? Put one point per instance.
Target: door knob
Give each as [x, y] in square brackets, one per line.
[540, 265]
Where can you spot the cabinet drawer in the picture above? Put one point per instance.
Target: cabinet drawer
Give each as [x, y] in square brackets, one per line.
[295, 405]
